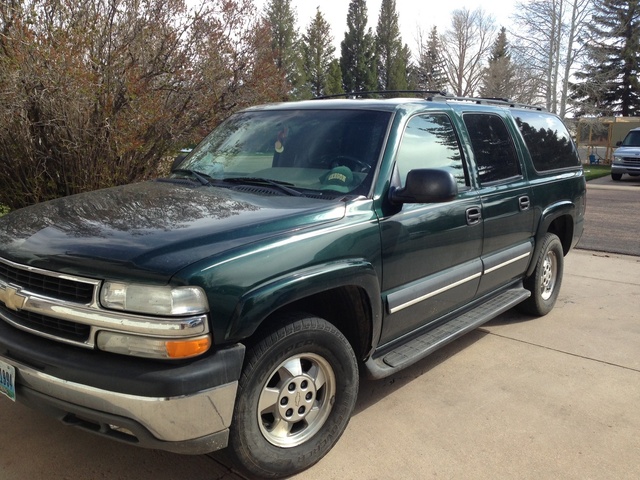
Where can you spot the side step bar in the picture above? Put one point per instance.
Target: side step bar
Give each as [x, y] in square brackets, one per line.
[419, 347]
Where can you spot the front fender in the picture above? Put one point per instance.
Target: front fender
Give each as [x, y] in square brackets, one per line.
[260, 302]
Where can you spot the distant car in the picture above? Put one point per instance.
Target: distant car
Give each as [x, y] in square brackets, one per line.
[626, 158]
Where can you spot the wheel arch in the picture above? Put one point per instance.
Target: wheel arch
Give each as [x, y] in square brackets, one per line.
[346, 294]
[558, 219]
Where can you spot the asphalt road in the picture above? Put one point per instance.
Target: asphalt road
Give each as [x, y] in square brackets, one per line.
[612, 222]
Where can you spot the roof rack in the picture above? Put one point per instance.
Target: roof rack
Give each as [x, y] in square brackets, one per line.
[431, 95]
[504, 102]
[368, 94]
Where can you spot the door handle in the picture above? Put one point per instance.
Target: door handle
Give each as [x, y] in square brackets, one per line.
[474, 215]
[524, 203]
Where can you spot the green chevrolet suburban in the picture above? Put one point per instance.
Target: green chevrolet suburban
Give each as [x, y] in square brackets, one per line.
[235, 303]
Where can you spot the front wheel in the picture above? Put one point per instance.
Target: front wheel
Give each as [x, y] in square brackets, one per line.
[544, 283]
[295, 397]
[616, 176]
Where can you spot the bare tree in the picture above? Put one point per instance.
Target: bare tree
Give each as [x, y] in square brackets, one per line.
[527, 82]
[547, 33]
[466, 45]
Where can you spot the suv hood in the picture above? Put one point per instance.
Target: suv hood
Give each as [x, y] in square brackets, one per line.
[627, 152]
[150, 230]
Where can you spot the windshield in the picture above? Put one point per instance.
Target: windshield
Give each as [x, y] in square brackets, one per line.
[632, 139]
[334, 151]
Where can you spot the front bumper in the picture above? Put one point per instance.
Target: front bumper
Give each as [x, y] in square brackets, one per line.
[625, 168]
[184, 408]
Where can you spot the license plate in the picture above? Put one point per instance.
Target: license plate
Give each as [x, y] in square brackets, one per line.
[8, 380]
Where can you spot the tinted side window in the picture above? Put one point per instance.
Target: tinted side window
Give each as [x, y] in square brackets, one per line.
[492, 146]
[548, 141]
[430, 141]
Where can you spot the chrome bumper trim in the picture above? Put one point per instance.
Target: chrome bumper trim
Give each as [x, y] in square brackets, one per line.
[172, 419]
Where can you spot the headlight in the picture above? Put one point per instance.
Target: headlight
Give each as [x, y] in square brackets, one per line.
[155, 300]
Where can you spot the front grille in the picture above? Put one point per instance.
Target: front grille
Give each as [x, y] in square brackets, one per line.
[60, 288]
[57, 288]
[76, 332]
[631, 160]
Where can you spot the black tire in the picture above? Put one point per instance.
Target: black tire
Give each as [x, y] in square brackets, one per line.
[295, 397]
[616, 176]
[544, 284]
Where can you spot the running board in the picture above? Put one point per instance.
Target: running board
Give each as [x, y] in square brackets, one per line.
[419, 347]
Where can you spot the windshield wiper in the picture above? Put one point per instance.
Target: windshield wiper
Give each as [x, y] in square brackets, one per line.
[201, 177]
[282, 186]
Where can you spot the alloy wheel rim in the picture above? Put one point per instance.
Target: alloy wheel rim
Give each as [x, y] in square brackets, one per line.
[296, 400]
[549, 275]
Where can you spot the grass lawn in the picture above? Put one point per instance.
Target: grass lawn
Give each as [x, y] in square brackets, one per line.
[596, 171]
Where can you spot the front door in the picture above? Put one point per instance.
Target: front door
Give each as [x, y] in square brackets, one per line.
[430, 252]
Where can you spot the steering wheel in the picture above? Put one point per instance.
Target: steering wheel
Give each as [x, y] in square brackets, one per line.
[355, 164]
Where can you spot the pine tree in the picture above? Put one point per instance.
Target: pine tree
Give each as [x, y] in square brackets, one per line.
[430, 69]
[391, 57]
[285, 44]
[357, 61]
[334, 79]
[608, 84]
[318, 50]
[498, 76]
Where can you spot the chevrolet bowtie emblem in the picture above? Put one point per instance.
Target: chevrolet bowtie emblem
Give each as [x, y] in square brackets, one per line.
[12, 298]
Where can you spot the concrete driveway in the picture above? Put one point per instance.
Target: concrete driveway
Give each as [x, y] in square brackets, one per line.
[520, 398]
[547, 398]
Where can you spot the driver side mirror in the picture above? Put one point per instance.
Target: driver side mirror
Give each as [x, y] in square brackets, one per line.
[426, 185]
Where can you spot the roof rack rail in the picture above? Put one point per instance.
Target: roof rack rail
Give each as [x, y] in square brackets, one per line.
[368, 94]
[505, 102]
[431, 95]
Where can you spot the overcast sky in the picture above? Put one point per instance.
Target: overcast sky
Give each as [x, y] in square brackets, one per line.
[412, 14]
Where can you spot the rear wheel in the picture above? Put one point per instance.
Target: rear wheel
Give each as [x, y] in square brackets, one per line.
[544, 283]
[295, 397]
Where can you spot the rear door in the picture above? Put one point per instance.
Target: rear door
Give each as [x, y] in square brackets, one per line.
[505, 196]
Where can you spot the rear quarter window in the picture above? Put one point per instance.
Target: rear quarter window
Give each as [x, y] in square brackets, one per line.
[548, 141]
